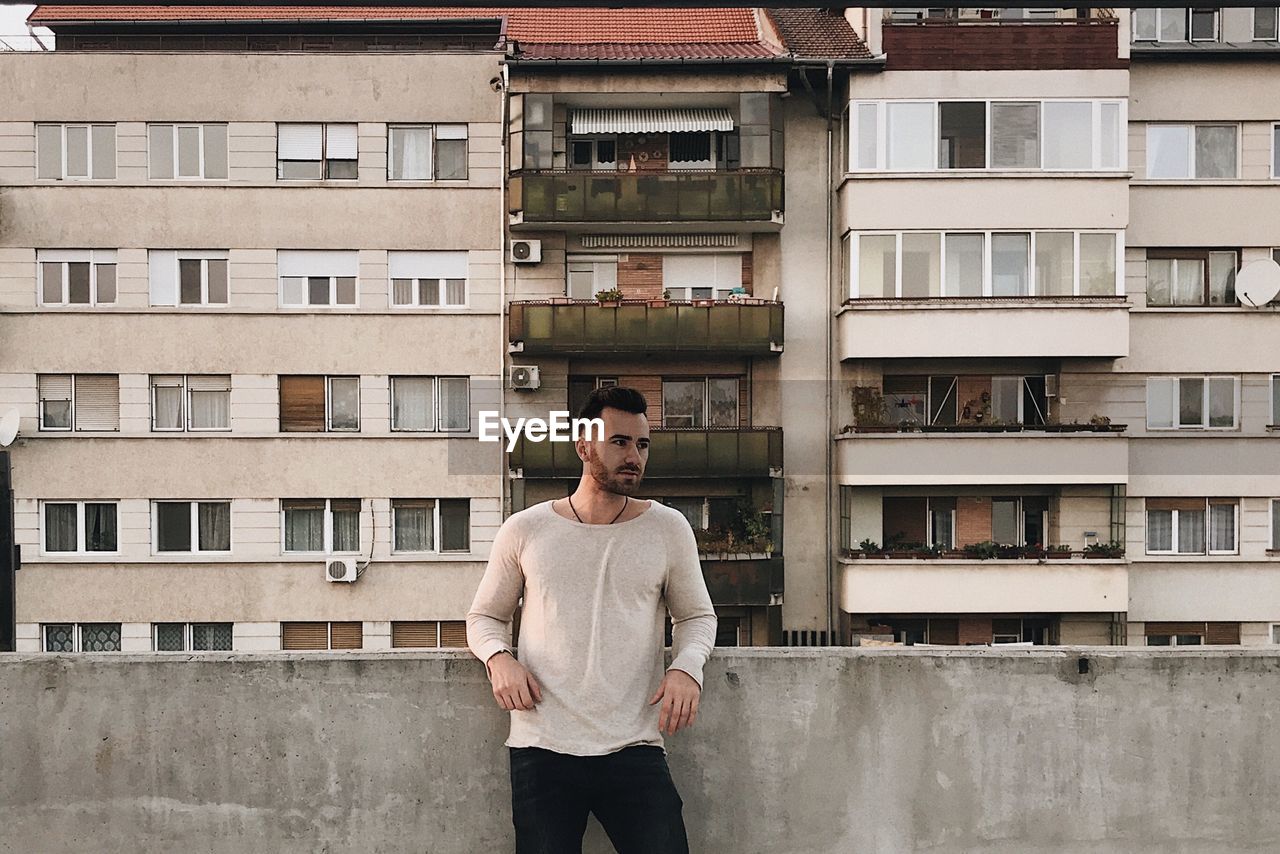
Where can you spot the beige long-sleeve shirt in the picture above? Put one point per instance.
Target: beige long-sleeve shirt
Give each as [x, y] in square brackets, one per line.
[591, 631]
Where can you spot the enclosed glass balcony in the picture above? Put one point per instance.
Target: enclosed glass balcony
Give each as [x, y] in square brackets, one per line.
[728, 452]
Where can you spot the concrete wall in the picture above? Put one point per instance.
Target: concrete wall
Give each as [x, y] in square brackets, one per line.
[795, 752]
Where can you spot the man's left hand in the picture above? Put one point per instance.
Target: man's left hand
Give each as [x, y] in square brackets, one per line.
[679, 694]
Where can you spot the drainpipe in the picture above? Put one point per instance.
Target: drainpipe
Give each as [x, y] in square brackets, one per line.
[832, 600]
[504, 316]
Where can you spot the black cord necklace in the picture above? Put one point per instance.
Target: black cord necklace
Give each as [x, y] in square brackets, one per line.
[611, 521]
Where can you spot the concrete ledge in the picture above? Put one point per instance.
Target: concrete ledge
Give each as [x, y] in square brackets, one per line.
[1099, 750]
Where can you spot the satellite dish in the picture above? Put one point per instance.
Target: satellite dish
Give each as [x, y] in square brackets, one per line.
[1258, 283]
[8, 428]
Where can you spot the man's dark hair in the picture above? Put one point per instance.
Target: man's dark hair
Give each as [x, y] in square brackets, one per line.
[616, 396]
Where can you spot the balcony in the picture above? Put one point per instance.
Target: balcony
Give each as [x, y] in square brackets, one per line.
[572, 198]
[956, 586]
[743, 579]
[991, 43]
[985, 327]
[1011, 454]
[748, 327]
[732, 452]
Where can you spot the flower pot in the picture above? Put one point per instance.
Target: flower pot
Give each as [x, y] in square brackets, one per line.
[609, 303]
[658, 303]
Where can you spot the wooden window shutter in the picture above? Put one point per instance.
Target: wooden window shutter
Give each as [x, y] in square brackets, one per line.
[347, 635]
[453, 633]
[302, 404]
[304, 636]
[944, 632]
[1175, 629]
[1175, 504]
[1222, 633]
[97, 402]
[413, 633]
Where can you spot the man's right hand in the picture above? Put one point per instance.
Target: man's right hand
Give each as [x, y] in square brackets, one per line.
[513, 685]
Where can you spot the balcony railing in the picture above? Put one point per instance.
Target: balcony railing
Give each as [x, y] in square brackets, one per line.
[692, 453]
[555, 196]
[752, 581]
[746, 327]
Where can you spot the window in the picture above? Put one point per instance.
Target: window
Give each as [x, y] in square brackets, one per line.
[934, 400]
[80, 527]
[427, 152]
[588, 274]
[701, 276]
[430, 404]
[593, 153]
[188, 277]
[191, 526]
[81, 637]
[188, 151]
[1191, 277]
[919, 265]
[1275, 400]
[1191, 634]
[693, 150]
[84, 402]
[180, 637]
[428, 279]
[1176, 25]
[1190, 403]
[1265, 22]
[190, 403]
[1275, 150]
[1192, 526]
[77, 277]
[76, 152]
[431, 525]
[1191, 151]
[1043, 135]
[1275, 524]
[346, 635]
[1174, 640]
[315, 404]
[316, 151]
[317, 278]
[330, 526]
[700, 403]
[428, 633]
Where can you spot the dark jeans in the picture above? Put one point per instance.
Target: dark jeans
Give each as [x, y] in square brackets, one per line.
[630, 792]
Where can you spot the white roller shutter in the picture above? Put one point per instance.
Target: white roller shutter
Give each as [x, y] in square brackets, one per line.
[55, 386]
[299, 142]
[451, 131]
[97, 402]
[428, 265]
[162, 267]
[318, 262]
[340, 142]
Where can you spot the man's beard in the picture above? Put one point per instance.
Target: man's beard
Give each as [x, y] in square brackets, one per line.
[612, 481]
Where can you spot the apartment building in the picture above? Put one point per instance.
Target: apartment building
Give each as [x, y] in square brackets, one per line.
[250, 295]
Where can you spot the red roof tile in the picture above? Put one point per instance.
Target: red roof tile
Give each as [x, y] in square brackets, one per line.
[89, 14]
[815, 32]
[726, 50]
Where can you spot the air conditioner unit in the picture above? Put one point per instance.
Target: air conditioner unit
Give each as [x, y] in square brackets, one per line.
[524, 377]
[1050, 385]
[340, 569]
[526, 251]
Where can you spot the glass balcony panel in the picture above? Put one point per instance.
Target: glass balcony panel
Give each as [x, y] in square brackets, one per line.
[693, 196]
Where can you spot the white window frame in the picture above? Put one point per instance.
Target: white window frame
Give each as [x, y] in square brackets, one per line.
[77, 634]
[174, 127]
[328, 529]
[187, 628]
[597, 165]
[1275, 401]
[193, 506]
[882, 135]
[45, 428]
[1208, 531]
[597, 262]
[1254, 25]
[1204, 421]
[397, 262]
[64, 257]
[1275, 131]
[324, 152]
[80, 527]
[1185, 13]
[433, 162]
[204, 256]
[1173, 640]
[1191, 152]
[437, 532]
[1217, 24]
[987, 286]
[705, 380]
[734, 260]
[89, 126]
[1273, 545]
[328, 403]
[1274, 633]
[333, 294]
[437, 410]
[184, 385]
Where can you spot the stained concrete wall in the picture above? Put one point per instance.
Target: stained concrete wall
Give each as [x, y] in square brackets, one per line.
[795, 752]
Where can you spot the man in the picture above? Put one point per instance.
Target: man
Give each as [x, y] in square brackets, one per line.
[596, 570]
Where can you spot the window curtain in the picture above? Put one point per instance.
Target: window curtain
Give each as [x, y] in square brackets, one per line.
[411, 153]
[454, 404]
[210, 410]
[215, 526]
[100, 527]
[346, 526]
[60, 528]
[1159, 530]
[1191, 532]
[168, 402]
[1222, 527]
[413, 526]
[411, 404]
[304, 528]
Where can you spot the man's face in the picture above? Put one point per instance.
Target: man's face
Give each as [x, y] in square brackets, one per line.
[616, 463]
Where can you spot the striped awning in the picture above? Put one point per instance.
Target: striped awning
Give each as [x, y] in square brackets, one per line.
[649, 121]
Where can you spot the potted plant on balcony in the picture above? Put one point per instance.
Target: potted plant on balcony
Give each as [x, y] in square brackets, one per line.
[985, 550]
[869, 411]
[662, 301]
[1113, 549]
[1058, 552]
[867, 547]
[611, 297]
